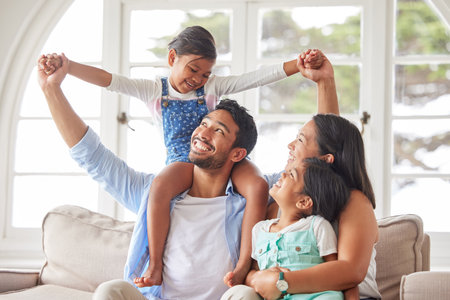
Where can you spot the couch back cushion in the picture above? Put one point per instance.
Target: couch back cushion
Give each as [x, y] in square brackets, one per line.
[398, 252]
[83, 248]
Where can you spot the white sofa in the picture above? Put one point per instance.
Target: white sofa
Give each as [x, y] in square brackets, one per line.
[84, 248]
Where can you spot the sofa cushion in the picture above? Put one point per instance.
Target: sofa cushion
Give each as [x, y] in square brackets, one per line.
[45, 292]
[398, 251]
[425, 285]
[83, 248]
[11, 280]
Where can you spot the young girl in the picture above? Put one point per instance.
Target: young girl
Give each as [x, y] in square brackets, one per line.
[178, 103]
[308, 199]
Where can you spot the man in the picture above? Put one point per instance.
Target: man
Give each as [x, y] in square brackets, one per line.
[204, 237]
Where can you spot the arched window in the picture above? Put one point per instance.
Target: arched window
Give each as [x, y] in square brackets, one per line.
[391, 60]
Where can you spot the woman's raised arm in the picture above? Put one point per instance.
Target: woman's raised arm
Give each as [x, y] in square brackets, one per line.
[327, 100]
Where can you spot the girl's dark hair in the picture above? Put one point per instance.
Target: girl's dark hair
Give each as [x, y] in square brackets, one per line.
[327, 189]
[247, 134]
[339, 137]
[194, 40]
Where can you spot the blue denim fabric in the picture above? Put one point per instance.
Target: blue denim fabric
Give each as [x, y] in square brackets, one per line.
[180, 118]
[293, 250]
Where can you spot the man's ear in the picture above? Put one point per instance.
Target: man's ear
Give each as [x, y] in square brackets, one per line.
[329, 158]
[171, 57]
[305, 202]
[238, 154]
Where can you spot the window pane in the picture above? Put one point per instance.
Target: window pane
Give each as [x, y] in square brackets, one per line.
[419, 30]
[40, 148]
[79, 33]
[334, 30]
[421, 146]
[83, 97]
[146, 151]
[34, 196]
[151, 31]
[426, 197]
[297, 95]
[273, 139]
[422, 90]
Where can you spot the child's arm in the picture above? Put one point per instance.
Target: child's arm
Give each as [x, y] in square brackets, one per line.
[90, 74]
[290, 67]
[51, 62]
[250, 184]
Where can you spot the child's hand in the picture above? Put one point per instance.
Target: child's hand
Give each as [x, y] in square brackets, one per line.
[49, 63]
[313, 59]
[324, 72]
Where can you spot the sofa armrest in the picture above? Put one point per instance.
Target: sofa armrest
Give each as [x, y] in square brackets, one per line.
[12, 280]
[425, 285]
[426, 252]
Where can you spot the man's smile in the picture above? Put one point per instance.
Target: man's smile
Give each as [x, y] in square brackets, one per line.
[200, 146]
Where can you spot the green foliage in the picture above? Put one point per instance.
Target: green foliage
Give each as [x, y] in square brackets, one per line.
[217, 23]
[281, 35]
[419, 30]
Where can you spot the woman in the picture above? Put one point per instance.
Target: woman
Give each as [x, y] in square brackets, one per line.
[338, 142]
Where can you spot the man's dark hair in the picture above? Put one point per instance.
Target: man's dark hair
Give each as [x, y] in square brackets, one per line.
[327, 189]
[247, 134]
[194, 40]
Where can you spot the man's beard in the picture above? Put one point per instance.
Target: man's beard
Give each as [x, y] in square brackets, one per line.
[211, 162]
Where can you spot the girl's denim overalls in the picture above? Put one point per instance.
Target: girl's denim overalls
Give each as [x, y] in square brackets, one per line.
[180, 118]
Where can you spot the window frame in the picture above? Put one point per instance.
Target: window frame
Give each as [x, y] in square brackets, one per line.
[440, 259]
[378, 23]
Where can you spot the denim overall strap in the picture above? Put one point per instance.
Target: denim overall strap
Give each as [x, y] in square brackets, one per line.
[200, 92]
[165, 87]
[180, 118]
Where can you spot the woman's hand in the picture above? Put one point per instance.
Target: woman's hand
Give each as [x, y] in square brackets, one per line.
[327, 101]
[324, 72]
[264, 282]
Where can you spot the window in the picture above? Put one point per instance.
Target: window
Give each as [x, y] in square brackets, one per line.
[43, 173]
[279, 33]
[405, 90]
[421, 115]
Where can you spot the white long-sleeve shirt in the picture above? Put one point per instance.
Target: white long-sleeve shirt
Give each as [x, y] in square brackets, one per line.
[150, 91]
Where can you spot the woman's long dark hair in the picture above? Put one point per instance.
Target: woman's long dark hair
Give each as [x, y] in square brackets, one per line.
[342, 139]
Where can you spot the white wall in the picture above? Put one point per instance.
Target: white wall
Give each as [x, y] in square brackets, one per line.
[12, 25]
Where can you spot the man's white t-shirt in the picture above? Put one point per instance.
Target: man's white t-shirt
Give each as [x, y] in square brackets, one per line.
[206, 246]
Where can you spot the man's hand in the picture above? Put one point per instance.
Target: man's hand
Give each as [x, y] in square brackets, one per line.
[46, 78]
[264, 282]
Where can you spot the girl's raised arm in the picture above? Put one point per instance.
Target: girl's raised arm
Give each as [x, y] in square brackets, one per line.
[90, 74]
